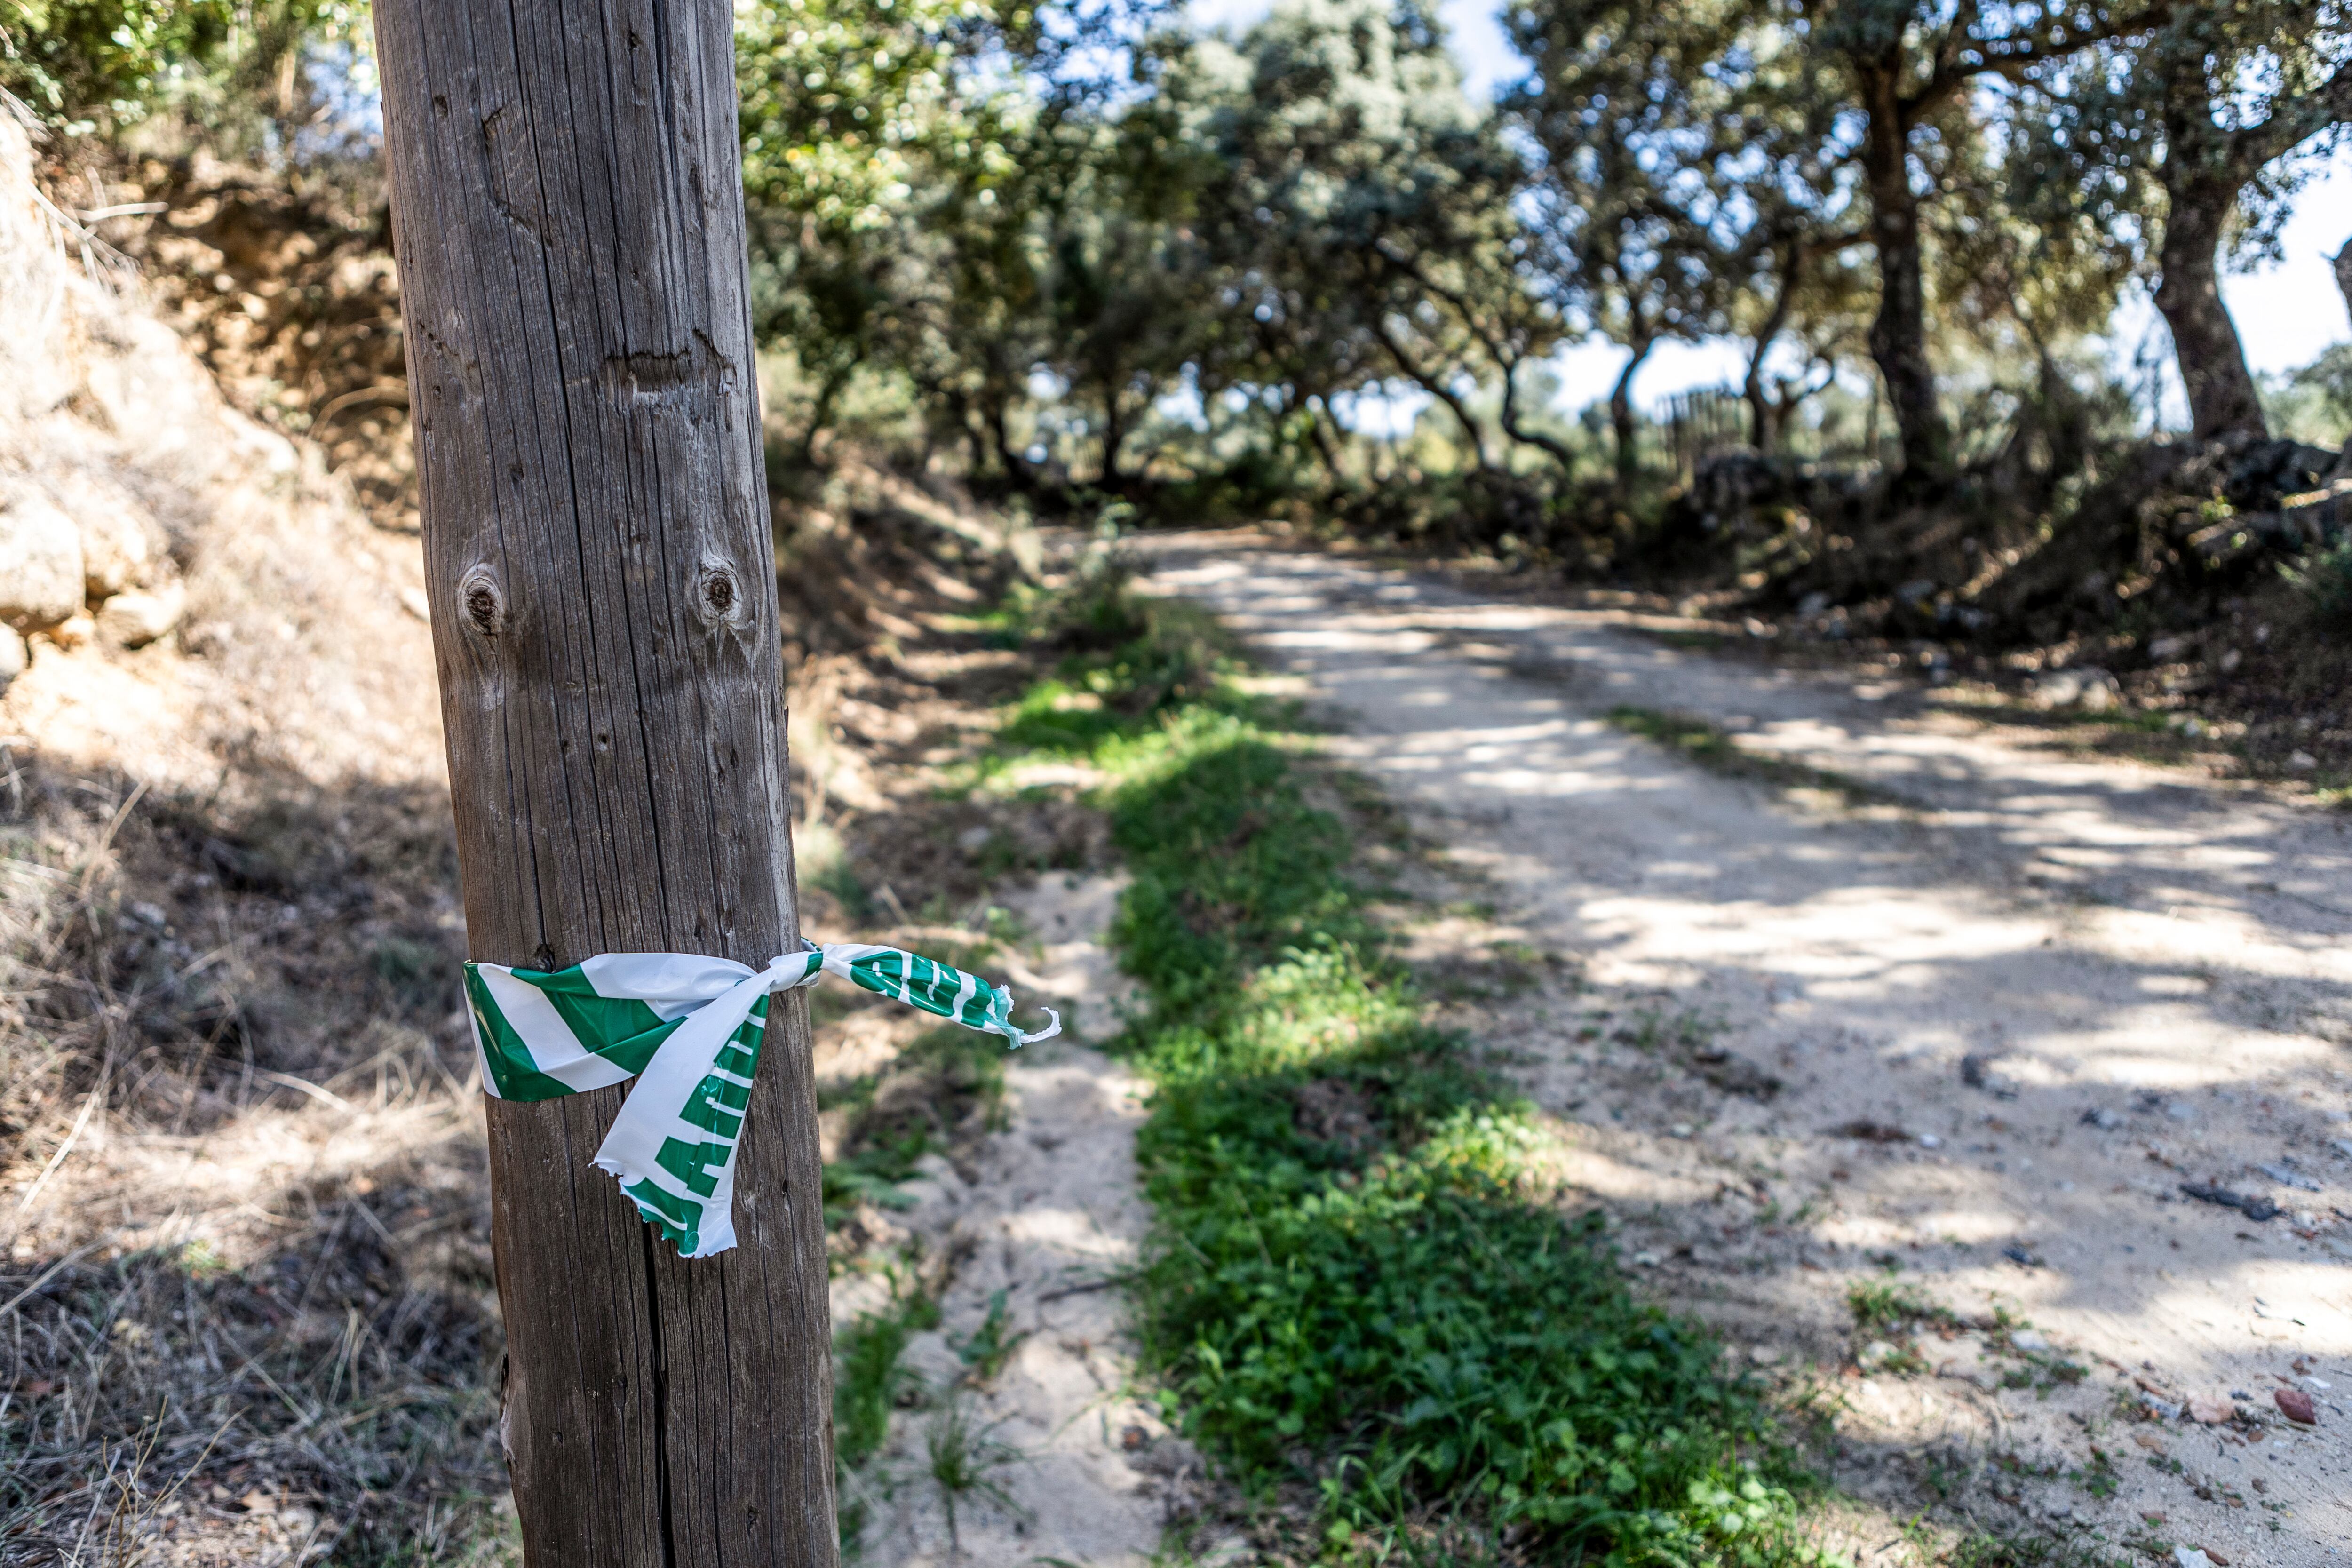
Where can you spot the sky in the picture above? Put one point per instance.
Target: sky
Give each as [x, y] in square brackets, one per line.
[2286, 313]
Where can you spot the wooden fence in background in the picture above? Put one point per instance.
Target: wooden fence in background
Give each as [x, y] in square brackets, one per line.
[1702, 423]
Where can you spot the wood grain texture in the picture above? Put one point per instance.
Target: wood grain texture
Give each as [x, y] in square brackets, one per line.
[568, 217]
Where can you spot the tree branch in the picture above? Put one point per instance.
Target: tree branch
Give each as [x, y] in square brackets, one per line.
[1432, 385]
[2011, 58]
[1506, 361]
[2291, 120]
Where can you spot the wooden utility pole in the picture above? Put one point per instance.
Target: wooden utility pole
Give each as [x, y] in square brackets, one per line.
[568, 213]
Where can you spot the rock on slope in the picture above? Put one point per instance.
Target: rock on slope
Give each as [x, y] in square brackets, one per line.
[179, 585]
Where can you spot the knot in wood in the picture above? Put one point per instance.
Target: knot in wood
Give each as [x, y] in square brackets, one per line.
[482, 601]
[719, 598]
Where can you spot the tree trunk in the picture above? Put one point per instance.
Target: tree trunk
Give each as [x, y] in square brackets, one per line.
[1113, 437]
[1621, 415]
[568, 210]
[2222, 397]
[2342, 261]
[1437, 388]
[1898, 337]
[1017, 470]
[1325, 451]
[1558, 452]
[967, 421]
[1759, 407]
[1760, 431]
[829, 391]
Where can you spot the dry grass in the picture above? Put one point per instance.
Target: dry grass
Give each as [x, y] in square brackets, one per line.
[249, 1313]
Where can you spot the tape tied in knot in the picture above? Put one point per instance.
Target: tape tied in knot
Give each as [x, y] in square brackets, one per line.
[688, 1029]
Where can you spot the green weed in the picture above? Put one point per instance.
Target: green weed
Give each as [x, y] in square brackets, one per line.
[873, 1382]
[839, 878]
[1885, 1305]
[2099, 1477]
[1981, 1551]
[967, 1459]
[1711, 747]
[1695, 640]
[992, 1345]
[1359, 1279]
[948, 1082]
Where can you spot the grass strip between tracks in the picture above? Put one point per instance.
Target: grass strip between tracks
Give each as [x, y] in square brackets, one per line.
[1362, 1296]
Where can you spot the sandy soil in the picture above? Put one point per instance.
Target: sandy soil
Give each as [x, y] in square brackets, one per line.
[1048, 1215]
[2012, 1002]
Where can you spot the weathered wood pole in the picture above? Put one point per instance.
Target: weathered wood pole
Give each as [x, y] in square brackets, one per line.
[568, 215]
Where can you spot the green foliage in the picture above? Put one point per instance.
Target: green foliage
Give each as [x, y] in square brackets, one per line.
[967, 1461]
[2174, 141]
[961, 1076]
[74, 57]
[1170, 288]
[837, 97]
[873, 1378]
[1269, 224]
[1885, 1305]
[225, 64]
[1977, 1550]
[2324, 581]
[1359, 1277]
[1126, 664]
[992, 1345]
[1356, 211]
[2315, 403]
[1625, 199]
[856, 114]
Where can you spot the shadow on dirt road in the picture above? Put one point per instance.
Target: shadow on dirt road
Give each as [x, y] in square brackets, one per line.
[2013, 1001]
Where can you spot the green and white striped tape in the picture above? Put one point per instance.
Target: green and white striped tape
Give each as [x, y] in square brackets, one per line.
[687, 1029]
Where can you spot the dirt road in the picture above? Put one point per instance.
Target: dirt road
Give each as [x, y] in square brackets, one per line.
[2014, 1000]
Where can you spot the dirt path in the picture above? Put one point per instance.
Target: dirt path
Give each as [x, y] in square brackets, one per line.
[1071, 1464]
[2033, 995]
